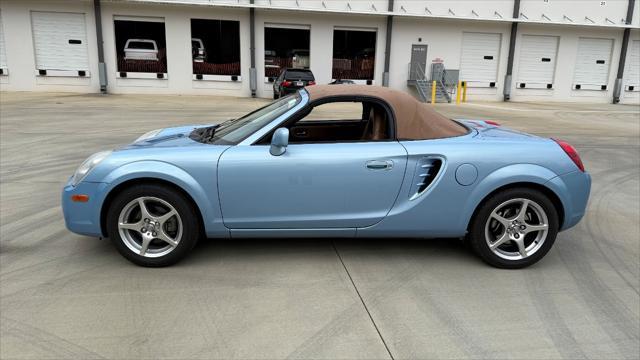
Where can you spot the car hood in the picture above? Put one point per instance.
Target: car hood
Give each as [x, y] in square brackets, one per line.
[170, 145]
[167, 137]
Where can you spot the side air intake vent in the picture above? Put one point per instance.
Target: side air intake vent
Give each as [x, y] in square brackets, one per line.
[426, 172]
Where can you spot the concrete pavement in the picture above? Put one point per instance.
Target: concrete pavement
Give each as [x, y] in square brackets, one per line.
[67, 296]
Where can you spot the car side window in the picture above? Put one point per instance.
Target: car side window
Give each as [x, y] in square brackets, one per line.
[342, 121]
[335, 111]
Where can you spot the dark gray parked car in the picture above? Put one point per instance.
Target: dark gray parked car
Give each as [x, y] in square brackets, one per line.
[291, 80]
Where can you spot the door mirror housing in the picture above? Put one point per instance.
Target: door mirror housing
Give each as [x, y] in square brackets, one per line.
[279, 142]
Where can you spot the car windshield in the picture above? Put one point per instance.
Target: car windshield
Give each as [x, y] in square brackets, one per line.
[141, 45]
[237, 130]
[299, 75]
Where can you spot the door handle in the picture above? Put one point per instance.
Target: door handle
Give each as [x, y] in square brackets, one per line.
[380, 165]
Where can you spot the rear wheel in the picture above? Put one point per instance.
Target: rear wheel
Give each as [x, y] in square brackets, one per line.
[152, 225]
[276, 95]
[515, 228]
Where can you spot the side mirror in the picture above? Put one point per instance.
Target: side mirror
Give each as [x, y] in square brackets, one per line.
[279, 142]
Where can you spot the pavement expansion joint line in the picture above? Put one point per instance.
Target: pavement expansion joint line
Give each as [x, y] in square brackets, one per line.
[362, 300]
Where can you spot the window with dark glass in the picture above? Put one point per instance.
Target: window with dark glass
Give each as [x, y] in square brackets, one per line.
[141, 45]
[285, 48]
[354, 54]
[215, 47]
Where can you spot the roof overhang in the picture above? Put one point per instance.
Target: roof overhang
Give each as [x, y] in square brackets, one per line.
[243, 4]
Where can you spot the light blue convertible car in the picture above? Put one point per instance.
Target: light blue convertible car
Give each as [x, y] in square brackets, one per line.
[332, 161]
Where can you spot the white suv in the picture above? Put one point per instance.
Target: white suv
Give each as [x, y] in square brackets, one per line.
[198, 53]
[141, 49]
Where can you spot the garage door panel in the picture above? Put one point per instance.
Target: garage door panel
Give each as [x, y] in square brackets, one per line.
[536, 67]
[60, 41]
[632, 67]
[480, 57]
[3, 51]
[593, 62]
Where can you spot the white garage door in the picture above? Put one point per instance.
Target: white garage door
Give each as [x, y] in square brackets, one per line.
[3, 51]
[538, 54]
[592, 64]
[60, 41]
[632, 67]
[479, 61]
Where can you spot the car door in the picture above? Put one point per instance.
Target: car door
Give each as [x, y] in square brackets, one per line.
[310, 186]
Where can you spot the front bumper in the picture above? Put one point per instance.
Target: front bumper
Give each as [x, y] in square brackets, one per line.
[83, 217]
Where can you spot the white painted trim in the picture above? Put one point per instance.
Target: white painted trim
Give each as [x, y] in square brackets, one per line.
[287, 26]
[355, 28]
[226, 78]
[63, 73]
[589, 87]
[481, 84]
[141, 75]
[532, 86]
[138, 18]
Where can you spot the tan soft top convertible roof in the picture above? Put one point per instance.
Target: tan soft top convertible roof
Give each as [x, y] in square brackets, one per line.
[414, 120]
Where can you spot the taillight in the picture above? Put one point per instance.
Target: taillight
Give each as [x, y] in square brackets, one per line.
[311, 82]
[286, 83]
[571, 152]
[491, 122]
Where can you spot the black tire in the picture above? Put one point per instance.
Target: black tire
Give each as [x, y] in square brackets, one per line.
[478, 239]
[276, 95]
[188, 215]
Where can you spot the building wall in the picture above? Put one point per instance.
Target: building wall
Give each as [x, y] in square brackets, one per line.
[321, 41]
[471, 9]
[444, 40]
[177, 21]
[371, 6]
[599, 12]
[566, 57]
[21, 63]
[631, 97]
[564, 73]
[424, 22]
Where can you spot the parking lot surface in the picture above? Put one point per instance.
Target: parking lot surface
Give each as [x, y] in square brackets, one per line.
[67, 296]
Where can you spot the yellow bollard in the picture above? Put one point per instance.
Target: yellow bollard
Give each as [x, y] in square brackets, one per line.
[433, 92]
[458, 90]
[464, 91]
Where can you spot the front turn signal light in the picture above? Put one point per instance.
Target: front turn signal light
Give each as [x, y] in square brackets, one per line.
[80, 198]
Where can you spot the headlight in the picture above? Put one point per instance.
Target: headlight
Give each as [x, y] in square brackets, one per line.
[149, 135]
[88, 165]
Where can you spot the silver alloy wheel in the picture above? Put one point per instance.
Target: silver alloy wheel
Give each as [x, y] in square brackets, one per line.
[516, 229]
[150, 227]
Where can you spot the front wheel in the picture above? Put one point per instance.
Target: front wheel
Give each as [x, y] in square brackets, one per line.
[152, 225]
[514, 228]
